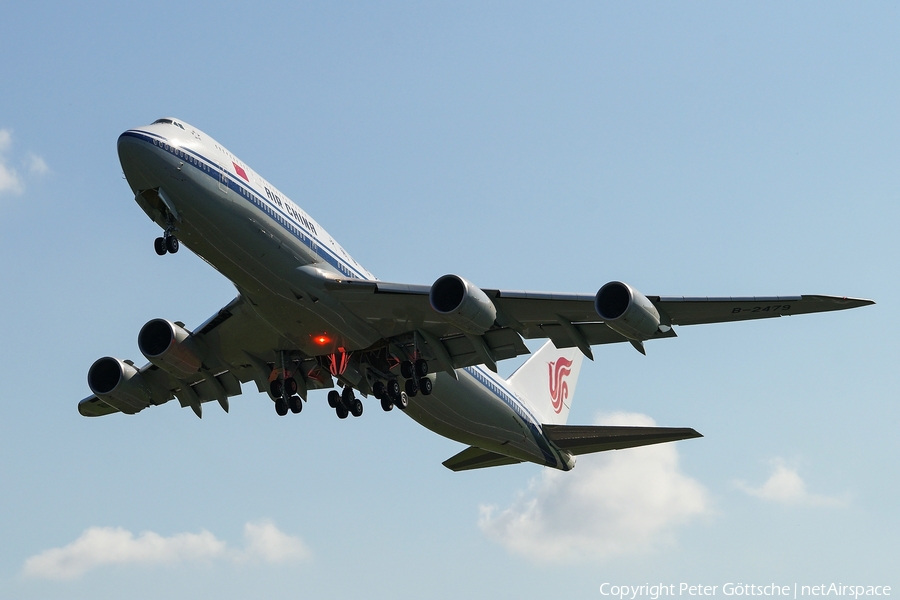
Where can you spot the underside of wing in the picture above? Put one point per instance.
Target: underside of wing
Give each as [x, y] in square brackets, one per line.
[476, 458]
[695, 311]
[404, 314]
[234, 346]
[363, 333]
[586, 439]
[569, 320]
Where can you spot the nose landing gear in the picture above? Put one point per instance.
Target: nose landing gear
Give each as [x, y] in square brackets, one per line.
[167, 243]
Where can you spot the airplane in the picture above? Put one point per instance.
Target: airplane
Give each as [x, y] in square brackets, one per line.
[308, 316]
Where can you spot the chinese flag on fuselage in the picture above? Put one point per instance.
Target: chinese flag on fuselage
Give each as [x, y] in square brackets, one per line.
[240, 171]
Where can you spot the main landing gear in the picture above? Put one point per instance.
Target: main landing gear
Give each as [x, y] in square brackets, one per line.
[390, 395]
[345, 403]
[416, 380]
[285, 394]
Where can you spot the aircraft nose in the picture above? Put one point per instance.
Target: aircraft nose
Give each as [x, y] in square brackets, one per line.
[138, 157]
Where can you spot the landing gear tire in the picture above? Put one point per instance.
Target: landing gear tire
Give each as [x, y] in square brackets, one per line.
[276, 389]
[341, 411]
[406, 369]
[347, 397]
[425, 386]
[356, 407]
[295, 404]
[378, 390]
[159, 244]
[172, 244]
[421, 368]
[393, 390]
[281, 407]
[334, 398]
[386, 404]
[290, 386]
[411, 388]
[403, 402]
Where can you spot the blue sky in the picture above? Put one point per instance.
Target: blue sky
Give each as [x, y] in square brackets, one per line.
[689, 149]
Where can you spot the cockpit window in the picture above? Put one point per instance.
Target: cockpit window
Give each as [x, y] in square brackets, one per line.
[170, 122]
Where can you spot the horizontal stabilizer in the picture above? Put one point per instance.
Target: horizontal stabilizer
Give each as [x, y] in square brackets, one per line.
[476, 458]
[585, 439]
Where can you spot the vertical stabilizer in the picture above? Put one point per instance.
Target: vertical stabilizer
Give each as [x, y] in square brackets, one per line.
[547, 381]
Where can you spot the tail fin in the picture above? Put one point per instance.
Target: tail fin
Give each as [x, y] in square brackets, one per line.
[547, 381]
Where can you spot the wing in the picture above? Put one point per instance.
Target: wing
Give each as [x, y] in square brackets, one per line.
[569, 320]
[697, 311]
[249, 341]
[534, 314]
[232, 347]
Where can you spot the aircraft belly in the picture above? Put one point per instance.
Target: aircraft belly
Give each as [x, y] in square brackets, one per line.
[466, 412]
[232, 238]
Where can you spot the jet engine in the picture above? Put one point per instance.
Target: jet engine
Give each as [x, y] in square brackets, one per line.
[118, 383]
[627, 311]
[166, 345]
[462, 304]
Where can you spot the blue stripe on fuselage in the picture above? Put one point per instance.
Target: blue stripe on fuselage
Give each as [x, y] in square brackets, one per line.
[284, 220]
[534, 426]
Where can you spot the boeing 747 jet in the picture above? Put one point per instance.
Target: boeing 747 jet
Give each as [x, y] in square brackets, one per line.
[308, 316]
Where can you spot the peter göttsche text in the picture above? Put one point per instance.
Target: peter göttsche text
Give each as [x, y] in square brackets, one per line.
[792, 591]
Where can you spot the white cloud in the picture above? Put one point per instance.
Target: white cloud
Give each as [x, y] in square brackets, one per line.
[785, 486]
[615, 503]
[5, 140]
[36, 165]
[103, 546]
[266, 542]
[10, 180]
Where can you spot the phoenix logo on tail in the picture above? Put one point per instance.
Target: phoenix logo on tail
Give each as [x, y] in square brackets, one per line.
[559, 389]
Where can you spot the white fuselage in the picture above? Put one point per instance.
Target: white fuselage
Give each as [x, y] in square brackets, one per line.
[273, 251]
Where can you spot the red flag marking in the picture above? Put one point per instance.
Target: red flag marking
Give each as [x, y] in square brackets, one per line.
[241, 172]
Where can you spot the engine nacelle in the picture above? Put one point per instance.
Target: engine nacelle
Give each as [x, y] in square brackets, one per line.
[118, 383]
[463, 304]
[166, 345]
[627, 311]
